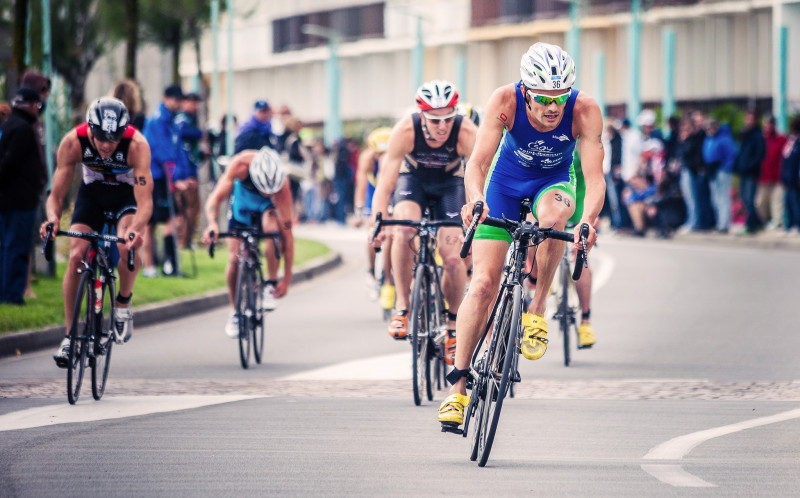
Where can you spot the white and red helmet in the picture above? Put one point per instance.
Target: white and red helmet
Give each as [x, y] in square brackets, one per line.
[436, 94]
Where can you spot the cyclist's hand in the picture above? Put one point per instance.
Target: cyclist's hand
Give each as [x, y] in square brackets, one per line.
[138, 240]
[358, 221]
[212, 227]
[377, 242]
[466, 211]
[590, 240]
[283, 286]
[43, 228]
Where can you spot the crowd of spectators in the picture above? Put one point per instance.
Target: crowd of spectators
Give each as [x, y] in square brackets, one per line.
[701, 177]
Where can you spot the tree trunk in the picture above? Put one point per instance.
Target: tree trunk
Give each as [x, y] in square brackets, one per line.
[131, 37]
[176, 56]
[19, 37]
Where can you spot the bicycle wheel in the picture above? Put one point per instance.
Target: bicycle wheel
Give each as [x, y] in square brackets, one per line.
[258, 318]
[243, 310]
[79, 333]
[418, 323]
[563, 310]
[484, 392]
[103, 338]
[496, 392]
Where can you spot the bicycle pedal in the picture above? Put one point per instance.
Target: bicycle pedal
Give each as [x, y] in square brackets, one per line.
[451, 427]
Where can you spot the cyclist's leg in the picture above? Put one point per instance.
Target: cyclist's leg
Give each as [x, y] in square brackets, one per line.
[87, 216]
[584, 289]
[232, 268]
[269, 223]
[127, 278]
[451, 199]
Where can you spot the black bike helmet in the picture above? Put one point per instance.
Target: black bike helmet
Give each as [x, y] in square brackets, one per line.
[108, 119]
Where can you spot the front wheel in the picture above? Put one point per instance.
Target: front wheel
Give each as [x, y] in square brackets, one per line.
[244, 311]
[103, 339]
[79, 333]
[259, 316]
[418, 328]
[564, 310]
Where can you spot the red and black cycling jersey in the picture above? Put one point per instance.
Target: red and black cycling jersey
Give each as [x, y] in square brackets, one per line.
[434, 163]
[114, 170]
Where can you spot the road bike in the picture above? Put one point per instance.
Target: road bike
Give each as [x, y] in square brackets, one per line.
[427, 317]
[248, 300]
[92, 332]
[566, 295]
[493, 368]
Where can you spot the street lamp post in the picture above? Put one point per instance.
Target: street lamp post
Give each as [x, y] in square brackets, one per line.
[333, 121]
[229, 131]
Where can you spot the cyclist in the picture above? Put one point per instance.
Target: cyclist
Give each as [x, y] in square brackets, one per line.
[261, 199]
[366, 179]
[115, 163]
[543, 117]
[424, 164]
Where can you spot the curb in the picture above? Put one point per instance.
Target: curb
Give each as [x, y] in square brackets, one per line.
[27, 341]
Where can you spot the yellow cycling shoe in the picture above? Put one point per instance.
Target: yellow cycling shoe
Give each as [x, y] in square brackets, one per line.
[452, 410]
[585, 335]
[534, 339]
[387, 296]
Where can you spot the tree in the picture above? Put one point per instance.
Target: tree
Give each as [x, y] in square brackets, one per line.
[20, 33]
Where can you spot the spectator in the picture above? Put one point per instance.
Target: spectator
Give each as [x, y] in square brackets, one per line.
[166, 152]
[752, 149]
[22, 179]
[612, 141]
[790, 176]
[769, 194]
[719, 154]
[682, 156]
[257, 132]
[187, 194]
[316, 188]
[297, 159]
[130, 94]
[5, 111]
[700, 185]
[279, 127]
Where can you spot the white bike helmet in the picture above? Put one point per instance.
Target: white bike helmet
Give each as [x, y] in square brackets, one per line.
[547, 67]
[266, 171]
[436, 94]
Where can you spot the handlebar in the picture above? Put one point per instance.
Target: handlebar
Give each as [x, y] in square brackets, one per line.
[476, 215]
[245, 235]
[580, 259]
[47, 248]
[380, 223]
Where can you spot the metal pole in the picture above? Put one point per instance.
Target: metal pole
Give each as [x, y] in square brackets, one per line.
[574, 36]
[668, 100]
[417, 58]
[230, 132]
[634, 36]
[461, 71]
[600, 71]
[214, 111]
[333, 125]
[47, 69]
[779, 102]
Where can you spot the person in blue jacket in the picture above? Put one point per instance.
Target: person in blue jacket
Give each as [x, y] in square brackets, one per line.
[187, 195]
[719, 154]
[167, 157]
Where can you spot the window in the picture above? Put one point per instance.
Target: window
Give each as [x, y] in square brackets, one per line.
[353, 23]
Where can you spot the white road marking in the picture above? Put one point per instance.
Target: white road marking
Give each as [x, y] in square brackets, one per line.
[678, 447]
[602, 268]
[110, 407]
[388, 367]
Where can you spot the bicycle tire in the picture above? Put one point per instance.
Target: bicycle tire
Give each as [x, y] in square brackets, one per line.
[78, 338]
[243, 311]
[418, 322]
[258, 319]
[103, 339]
[563, 310]
[485, 378]
[496, 394]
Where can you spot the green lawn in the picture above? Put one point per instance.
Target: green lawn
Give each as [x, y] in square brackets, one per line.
[48, 307]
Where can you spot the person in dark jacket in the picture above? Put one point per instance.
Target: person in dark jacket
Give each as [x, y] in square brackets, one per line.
[694, 161]
[790, 176]
[22, 178]
[752, 149]
[257, 132]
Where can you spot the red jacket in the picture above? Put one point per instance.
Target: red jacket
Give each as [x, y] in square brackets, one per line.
[771, 166]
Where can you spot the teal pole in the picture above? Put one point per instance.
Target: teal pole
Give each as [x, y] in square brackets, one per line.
[27, 41]
[333, 125]
[600, 71]
[668, 100]
[229, 85]
[47, 69]
[779, 102]
[461, 72]
[214, 112]
[634, 35]
[574, 36]
[417, 58]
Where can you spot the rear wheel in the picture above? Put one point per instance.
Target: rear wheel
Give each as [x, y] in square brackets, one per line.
[563, 311]
[103, 339]
[418, 324]
[79, 333]
[243, 310]
[259, 315]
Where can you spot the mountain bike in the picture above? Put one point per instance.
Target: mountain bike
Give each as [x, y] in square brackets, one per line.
[92, 332]
[493, 368]
[248, 300]
[427, 316]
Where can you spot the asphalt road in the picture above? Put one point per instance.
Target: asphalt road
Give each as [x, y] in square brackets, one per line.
[693, 383]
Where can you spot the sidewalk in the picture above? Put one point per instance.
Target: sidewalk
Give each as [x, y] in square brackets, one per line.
[768, 239]
[17, 343]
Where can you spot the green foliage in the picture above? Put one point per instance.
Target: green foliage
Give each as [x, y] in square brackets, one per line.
[47, 308]
[730, 114]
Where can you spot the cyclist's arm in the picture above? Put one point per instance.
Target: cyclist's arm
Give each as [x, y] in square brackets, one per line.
[500, 116]
[68, 156]
[283, 209]
[139, 158]
[401, 142]
[366, 162]
[588, 127]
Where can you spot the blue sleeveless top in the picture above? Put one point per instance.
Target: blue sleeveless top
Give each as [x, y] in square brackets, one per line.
[247, 203]
[526, 153]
